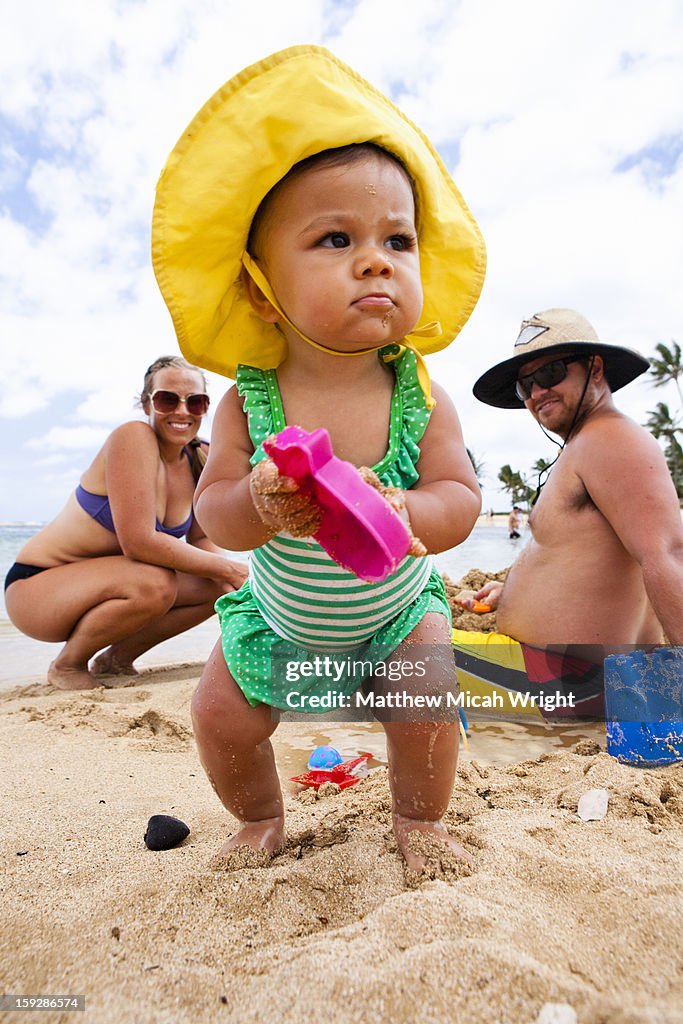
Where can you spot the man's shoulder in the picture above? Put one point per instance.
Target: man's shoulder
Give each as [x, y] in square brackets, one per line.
[607, 440]
[612, 446]
[607, 428]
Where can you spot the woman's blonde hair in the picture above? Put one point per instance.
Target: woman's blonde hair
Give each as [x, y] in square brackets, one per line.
[197, 454]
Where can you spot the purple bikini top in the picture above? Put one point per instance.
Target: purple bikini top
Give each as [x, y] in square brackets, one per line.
[97, 507]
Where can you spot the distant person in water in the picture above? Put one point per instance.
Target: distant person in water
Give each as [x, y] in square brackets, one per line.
[603, 568]
[515, 523]
[125, 565]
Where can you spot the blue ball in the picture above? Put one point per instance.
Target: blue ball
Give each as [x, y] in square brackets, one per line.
[324, 757]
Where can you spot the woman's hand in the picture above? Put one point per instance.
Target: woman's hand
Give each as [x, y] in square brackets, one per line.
[280, 503]
[236, 573]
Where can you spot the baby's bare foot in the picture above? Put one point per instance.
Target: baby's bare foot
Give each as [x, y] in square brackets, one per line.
[253, 846]
[107, 664]
[429, 850]
[70, 678]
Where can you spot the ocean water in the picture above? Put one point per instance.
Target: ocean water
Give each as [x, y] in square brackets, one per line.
[23, 659]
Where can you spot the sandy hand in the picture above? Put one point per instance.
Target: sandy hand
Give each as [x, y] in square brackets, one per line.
[483, 600]
[467, 599]
[280, 503]
[397, 499]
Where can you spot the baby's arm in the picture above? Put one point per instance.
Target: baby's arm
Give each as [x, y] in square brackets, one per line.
[223, 501]
[444, 504]
[279, 502]
[397, 499]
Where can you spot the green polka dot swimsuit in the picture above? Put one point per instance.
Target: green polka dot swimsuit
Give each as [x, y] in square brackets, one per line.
[297, 602]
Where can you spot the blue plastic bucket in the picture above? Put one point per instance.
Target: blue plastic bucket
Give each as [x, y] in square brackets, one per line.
[644, 707]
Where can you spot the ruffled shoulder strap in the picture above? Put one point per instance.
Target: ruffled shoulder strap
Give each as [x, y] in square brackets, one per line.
[262, 405]
[409, 422]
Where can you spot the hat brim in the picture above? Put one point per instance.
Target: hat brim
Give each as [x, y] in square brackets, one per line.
[285, 108]
[496, 387]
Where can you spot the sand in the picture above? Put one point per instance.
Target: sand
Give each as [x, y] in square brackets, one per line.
[473, 580]
[556, 910]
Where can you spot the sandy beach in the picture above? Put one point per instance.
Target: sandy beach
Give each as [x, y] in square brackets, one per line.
[556, 910]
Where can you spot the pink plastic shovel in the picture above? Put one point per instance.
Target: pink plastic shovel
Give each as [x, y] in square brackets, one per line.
[359, 529]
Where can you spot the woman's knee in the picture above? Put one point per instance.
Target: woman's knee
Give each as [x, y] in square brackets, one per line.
[153, 587]
[25, 615]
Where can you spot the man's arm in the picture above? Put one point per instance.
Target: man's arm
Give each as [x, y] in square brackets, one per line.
[489, 595]
[625, 474]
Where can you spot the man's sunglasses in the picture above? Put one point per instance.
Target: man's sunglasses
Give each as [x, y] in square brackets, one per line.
[546, 376]
[168, 401]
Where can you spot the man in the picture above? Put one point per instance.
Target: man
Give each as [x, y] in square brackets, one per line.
[515, 523]
[603, 569]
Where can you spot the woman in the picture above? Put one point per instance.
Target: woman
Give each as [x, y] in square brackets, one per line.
[113, 570]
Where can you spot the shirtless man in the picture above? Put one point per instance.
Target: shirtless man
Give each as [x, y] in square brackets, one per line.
[515, 523]
[604, 565]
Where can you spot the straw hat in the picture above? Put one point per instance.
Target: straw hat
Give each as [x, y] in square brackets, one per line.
[556, 330]
[270, 116]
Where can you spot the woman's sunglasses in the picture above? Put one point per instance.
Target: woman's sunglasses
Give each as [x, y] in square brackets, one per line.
[168, 401]
[546, 376]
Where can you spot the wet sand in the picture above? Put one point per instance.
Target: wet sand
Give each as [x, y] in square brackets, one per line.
[557, 910]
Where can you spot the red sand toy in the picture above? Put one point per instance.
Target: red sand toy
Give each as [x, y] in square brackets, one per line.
[342, 774]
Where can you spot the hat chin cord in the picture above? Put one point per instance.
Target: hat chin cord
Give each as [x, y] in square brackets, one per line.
[430, 330]
[540, 486]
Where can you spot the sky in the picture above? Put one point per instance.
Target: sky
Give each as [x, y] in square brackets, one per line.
[561, 123]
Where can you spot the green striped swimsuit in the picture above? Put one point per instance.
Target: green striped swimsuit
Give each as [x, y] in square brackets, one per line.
[298, 602]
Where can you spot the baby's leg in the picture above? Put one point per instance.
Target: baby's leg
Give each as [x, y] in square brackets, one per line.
[235, 750]
[423, 755]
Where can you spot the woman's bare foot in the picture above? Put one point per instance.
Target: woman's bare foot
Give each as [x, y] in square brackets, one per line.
[71, 678]
[106, 664]
[253, 846]
[428, 849]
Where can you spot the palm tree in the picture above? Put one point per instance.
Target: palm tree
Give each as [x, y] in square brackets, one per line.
[662, 423]
[540, 470]
[665, 425]
[514, 483]
[667, 366]
[478, 465]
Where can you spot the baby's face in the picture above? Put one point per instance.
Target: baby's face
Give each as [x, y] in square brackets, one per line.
[338, 246]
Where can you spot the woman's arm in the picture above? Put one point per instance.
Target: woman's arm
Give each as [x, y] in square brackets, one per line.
[238, 570]
[132, 474]
[223, 503]
[444, 504]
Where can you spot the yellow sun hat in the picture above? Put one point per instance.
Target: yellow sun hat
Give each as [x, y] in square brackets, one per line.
[289, 106]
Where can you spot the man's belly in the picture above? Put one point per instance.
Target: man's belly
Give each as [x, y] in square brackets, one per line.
[586, 600]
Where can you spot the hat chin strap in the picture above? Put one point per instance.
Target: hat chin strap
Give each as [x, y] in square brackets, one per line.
[566, 437]
[430, 330]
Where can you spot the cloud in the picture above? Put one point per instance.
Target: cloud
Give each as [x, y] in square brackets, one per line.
[71, 438]
[560, 123]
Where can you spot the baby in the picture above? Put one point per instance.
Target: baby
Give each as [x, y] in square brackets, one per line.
[336, 198]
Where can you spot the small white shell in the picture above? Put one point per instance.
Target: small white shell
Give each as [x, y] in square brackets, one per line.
[557, 1013]
[593, 805]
